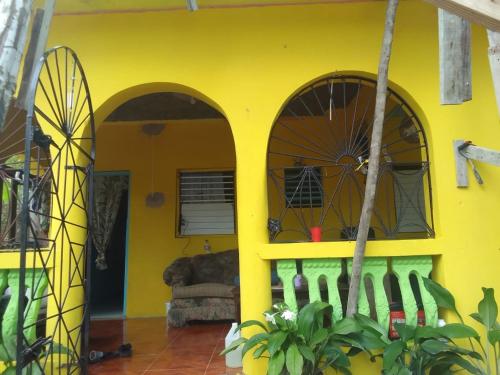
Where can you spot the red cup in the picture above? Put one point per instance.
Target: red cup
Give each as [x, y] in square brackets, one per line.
[315, 234]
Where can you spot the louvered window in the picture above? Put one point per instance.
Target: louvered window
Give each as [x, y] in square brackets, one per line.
[206, 203]
[303, 187]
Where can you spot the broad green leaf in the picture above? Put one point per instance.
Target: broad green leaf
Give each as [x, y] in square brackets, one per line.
[280, 322]
[457, 331]
[434, 346]
[252, 341]
[371, 341]
[294, 360]
[354, 340]
[346, 326]
[441, 295]
[233, 345]
[305, 320]
[405, 332]
[487, 308]
[276, 339]
[477, 318]
[494, 336]
[466, 365]
[307, 353]
[336, 358]
[392, 352]
[276, 363]
[250, 323]
[319, 336]
[259, 351]
[308, 318]
[425, 332]
[370, 325]
[445, 361]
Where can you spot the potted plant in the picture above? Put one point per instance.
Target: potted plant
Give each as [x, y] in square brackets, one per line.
[302, 343]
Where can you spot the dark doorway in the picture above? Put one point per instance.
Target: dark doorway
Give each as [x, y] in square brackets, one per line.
[107, 293]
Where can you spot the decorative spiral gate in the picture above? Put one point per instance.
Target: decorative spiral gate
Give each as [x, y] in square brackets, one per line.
[47, 187]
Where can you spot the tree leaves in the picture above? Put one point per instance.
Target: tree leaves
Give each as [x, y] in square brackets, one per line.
[494, 336]
[252, 341]
[276, 363]
[319, 336]
[488, 309]
[392, 352]
[405, 332]
[457, 331]
[307, 353]
[294, 360]
[441, 295]
[236, 343]
[276, 339]
[250, 323]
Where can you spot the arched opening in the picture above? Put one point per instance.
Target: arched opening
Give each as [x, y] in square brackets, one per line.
[171, 159]
[317, 164]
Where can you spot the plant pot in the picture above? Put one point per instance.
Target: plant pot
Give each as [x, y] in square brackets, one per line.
[315, 234]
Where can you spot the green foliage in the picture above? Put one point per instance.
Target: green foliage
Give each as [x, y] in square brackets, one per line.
[486, 315]
[303, 344]
[422, 350]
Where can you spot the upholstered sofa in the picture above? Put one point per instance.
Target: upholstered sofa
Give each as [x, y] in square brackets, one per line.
[202, 287]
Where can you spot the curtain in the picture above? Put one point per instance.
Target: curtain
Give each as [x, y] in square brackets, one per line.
[108, 191]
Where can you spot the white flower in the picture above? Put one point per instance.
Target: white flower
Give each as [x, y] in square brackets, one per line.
[288, 315]
[270, 318]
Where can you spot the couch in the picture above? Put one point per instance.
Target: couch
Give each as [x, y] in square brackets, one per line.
[202, 287]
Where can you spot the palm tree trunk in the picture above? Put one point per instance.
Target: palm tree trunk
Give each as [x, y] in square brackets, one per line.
[373, 165]
[14, 20]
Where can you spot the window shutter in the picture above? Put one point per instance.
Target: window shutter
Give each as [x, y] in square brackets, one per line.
[206, 203]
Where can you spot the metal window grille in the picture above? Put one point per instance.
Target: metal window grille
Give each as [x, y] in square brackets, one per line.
[206, 203]
[303, 187]
[409, 199]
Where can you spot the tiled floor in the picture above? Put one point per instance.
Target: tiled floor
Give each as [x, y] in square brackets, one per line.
[160, 350]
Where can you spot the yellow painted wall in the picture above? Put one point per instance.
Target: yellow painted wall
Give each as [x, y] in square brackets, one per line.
[152, 242]
[248, 62]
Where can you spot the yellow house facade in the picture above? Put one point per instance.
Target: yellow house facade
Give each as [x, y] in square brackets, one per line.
[248, 62]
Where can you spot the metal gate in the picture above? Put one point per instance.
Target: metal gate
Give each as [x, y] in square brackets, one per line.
[45, 324]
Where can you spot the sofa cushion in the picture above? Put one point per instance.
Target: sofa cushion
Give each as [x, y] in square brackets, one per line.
[179, 272]
[219, 267]
[203, 290]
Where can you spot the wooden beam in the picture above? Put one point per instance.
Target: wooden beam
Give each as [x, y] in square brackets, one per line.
[14, 20]
[192, 5]
[483, 12]
[36, 48]
[454, 58]
[460, 165]
[494, 55]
